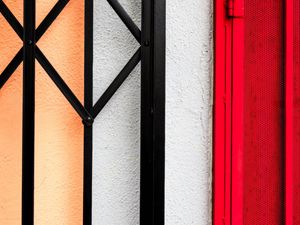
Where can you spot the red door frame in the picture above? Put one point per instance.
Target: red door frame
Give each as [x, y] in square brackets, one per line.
[228, 104]
[228, 112]
[289, 108]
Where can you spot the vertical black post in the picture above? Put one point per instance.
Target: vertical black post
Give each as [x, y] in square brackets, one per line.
[153, 113]
[88, 103]
[28, 113]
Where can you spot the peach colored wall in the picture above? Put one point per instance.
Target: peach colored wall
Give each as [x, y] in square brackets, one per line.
[10, 125]
[59, 133]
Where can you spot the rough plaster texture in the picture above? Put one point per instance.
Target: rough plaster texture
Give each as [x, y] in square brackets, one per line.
[188, 137]
[116, 130]
[189, 112]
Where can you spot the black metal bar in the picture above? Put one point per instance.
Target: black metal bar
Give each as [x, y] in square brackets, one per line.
[63, 87]
[49, 19]
[28, 114]
[11, 67]
[132, 27]
[88, 104]
[15, 24]
[152, 113]
[117, 82]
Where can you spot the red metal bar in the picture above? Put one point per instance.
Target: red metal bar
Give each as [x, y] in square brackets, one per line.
[222, 24]
[237, 174]
[289, 95]
[228, 114]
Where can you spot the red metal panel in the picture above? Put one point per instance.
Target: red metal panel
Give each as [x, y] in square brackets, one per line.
[264, 112]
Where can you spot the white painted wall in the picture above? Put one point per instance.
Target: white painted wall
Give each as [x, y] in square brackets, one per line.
[188, 121]
[189, 112]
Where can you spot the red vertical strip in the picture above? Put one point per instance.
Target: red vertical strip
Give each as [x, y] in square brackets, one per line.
[296, 116]
[228, 113]
[237, 115]
[228, 122]
[221, 206]
[289, 73]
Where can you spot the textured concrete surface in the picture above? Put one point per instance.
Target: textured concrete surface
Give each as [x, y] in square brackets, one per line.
[189, 112]
[116, 131]
[188, 137]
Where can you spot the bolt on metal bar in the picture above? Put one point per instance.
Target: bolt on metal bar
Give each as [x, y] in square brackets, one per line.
[28, 114]
[63, 87]
[117, 82]
[88, 104]
[152, 113]
[132, 27]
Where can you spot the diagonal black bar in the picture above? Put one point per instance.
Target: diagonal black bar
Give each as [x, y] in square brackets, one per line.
[14, 23]
[28, 113]
[132, 27]
[62, 86]
[11, 67]
[17, 27]
[11, 19]
[49, 19]
[118, 81]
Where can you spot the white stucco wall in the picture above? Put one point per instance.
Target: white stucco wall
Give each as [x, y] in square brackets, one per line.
[189, 112]
[188, 117]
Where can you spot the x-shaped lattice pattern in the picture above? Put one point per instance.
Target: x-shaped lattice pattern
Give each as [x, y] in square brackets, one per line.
[87, 116]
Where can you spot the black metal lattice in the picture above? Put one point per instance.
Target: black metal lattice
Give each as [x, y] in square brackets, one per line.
[151, 53]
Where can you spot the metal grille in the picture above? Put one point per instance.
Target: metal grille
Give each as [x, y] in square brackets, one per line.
[264, 112]
[151, 53]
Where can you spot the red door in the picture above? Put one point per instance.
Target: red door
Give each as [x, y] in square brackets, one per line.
[257, 112]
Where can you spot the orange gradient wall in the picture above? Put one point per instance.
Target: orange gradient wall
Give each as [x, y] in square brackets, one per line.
[59, 131]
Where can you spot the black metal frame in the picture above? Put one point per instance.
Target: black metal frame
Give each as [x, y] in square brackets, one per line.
[152, 57]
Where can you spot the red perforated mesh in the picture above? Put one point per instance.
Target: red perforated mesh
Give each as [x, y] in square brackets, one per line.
[296, 152]
[264, 113]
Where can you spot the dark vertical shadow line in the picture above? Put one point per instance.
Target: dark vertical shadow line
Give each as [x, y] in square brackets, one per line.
[88, 103]
[28, 114]
[153, 113]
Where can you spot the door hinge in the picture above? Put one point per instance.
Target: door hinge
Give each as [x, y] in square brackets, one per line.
[235, 8]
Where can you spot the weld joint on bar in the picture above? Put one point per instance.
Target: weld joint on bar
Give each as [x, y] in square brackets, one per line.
[88, 121]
